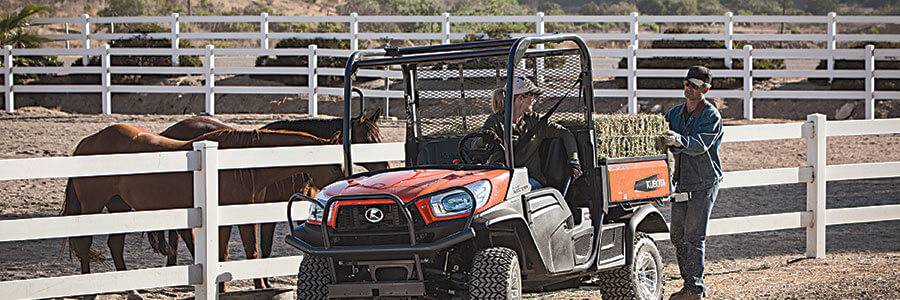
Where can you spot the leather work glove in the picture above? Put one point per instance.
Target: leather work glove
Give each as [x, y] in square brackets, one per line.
[576, 169]
[673, 139]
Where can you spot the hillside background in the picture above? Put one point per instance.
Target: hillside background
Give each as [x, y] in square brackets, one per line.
[462, 7]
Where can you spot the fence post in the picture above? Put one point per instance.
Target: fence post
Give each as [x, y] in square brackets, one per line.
[313, 80]
[729, 37]
[748, 82]
[68, 44]
[210, 107]
[354, 31]
[85, 37]
[632, 79]
[870, 82]
[633, 29]
[8, 79]
[176, 30]
[539, 63]
[831, 43]
[206, 238]
[815, 190]
[105, 81]
[445, 28]
[264, 31]
[387, 89]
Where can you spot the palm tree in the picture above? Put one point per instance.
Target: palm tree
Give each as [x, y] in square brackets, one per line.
[14, 27]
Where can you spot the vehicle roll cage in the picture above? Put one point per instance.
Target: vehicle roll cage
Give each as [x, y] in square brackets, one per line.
[514, 49]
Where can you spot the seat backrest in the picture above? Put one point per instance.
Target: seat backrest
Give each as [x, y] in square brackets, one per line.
[437, 151]
[555, 163]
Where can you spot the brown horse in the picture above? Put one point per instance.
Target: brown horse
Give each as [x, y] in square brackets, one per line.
[365, 130]
[88, 195]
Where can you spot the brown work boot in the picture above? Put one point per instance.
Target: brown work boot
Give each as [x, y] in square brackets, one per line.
[685, 295]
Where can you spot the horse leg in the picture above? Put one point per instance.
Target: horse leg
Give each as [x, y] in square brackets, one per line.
[116, 242]
[172, 259]
[251, 246]
[82, 247]
[266, 235]
[187, 235]
[224, 236]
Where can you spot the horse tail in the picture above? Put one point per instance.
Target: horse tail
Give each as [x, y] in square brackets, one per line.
[72, 207]
[158, 243]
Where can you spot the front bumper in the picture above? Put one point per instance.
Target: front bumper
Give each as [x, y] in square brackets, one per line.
[381, 250]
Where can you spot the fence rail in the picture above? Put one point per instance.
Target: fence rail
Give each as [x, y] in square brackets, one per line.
[206, 160]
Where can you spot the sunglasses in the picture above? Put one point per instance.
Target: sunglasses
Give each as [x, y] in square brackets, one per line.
[691, 85]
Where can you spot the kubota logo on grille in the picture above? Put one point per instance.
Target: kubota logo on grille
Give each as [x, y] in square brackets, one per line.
[374, 215]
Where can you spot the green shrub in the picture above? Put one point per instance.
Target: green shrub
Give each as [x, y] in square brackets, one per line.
[859, 83]
[687, 62]
[15, 31]
[303, 61]
[144, 41]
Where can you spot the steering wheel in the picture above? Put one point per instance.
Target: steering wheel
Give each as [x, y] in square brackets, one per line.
[479, 147]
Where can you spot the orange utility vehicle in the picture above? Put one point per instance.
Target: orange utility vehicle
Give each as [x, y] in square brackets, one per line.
[461, 220]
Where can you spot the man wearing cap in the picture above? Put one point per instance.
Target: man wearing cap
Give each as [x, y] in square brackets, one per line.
[524, 119]
[694, 136]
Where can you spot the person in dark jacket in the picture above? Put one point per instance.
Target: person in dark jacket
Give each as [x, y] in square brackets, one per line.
[524, 119]
[694, 138]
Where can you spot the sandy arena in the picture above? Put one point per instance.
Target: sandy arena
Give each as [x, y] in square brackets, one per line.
[863, 260]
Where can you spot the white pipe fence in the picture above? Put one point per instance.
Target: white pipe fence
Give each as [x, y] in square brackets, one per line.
[206, 216]
[209, 71]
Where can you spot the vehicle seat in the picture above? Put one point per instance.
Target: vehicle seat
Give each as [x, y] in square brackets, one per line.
[555, 165]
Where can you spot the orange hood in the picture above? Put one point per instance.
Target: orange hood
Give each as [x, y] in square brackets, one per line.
[409, 184]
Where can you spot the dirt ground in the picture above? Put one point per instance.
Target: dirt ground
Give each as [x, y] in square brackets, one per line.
[863, 260]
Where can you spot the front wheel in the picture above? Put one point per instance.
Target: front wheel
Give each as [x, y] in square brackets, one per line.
[642, 279]
[495, 274]
[313, 278]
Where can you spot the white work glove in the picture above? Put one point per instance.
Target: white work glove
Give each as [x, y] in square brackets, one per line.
[673, 139]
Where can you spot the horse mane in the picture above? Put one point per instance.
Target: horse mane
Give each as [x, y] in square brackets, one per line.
[236, 138]
[207, 120]
[370, 123]
[318, 126]
[326, 128]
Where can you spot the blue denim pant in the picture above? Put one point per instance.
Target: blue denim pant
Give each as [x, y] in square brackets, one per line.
[534, 183]
[688, 233]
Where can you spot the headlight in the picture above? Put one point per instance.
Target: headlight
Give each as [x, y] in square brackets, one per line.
[458, 202]
[316, 212]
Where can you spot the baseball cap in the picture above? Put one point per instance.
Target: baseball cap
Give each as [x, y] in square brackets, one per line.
[522, 85]
[699, 76]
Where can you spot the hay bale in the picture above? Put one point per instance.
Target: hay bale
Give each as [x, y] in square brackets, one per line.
[620, 135]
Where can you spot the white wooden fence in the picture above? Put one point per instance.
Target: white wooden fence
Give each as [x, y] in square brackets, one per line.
[206, 160]
[831, 37]
[209, 72]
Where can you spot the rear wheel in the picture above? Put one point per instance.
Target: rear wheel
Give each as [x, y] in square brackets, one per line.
[313, 278]
[642, 279]
[495, 274]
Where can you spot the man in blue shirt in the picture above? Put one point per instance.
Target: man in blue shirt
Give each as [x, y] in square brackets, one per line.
[694, 136]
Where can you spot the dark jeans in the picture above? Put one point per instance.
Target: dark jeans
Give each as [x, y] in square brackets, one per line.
[534, 183]
[689, 220]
